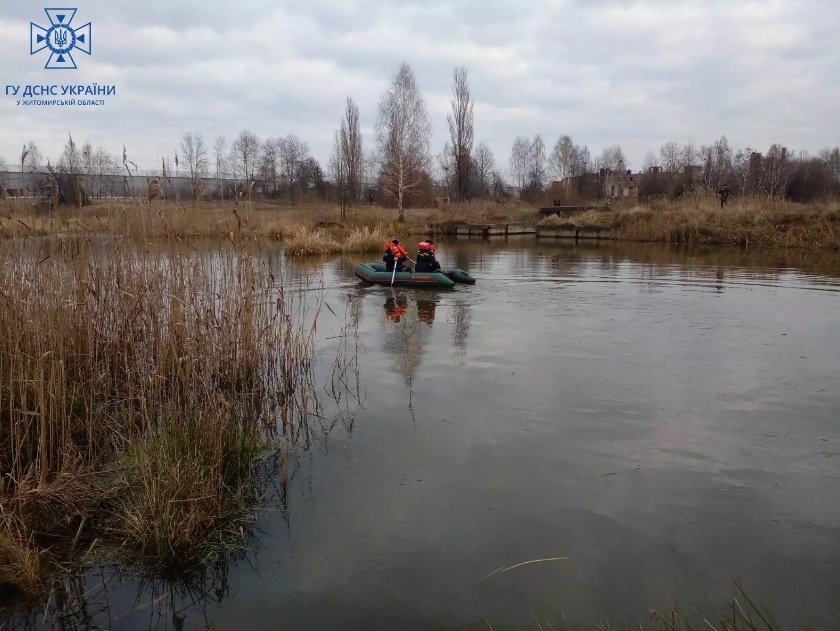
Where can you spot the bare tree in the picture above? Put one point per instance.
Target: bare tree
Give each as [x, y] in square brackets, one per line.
[310, 175]
[831, 159]
[650, 161]
[742, 170]
[403, 131]
[671, 156]
[270, 167]
[612, 158]
[581, 161]
[717, 163]
[370, 172]
[536, 165]
[444, 164]
[338, 166]
[87, 163]
[519, 160]
[560, 160]
[103, 164]
[194, 155]
[70, 163]
[219, 146]
[30, 156]
[688, 155]
[498, 188]
[484, 163]
[461, 130]
[776, 171]
[350, 138]
[245, 151]
[292, 153]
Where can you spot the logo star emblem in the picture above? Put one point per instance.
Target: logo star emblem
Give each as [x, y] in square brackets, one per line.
[60, 38]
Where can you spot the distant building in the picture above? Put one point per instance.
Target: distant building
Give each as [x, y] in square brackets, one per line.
[623, 184]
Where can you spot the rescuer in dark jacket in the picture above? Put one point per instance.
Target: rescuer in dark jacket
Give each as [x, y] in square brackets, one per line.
[426, 261]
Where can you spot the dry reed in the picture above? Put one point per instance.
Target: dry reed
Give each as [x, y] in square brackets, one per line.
[357, 240]
[698, 219]
[137, 391]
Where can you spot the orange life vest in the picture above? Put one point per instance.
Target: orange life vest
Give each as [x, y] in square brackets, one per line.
[397, 251]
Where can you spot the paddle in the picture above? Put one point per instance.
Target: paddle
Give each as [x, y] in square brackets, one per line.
[394, 273]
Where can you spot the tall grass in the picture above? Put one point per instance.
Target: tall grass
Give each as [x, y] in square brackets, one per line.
[699, 219]
[306, 242]
[137, 391]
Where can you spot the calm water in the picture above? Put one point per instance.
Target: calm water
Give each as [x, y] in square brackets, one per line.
[668, 420]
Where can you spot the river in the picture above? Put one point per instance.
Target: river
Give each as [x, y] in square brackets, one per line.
[642, 422]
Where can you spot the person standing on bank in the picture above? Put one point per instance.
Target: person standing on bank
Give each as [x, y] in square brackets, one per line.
[724, 195]
[395, 254]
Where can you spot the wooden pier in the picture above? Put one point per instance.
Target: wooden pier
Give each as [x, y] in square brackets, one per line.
[567, 211]
[485, 230]
[574, 233]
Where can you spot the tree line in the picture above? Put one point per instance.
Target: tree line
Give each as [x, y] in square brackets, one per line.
[399, 170]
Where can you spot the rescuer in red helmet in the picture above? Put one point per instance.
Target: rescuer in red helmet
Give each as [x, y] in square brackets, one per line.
[426, 261]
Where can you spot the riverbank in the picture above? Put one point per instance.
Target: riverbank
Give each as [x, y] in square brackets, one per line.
[701, 220]
[320, 229]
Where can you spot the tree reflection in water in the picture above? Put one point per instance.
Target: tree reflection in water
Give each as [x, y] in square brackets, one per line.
[409, 329]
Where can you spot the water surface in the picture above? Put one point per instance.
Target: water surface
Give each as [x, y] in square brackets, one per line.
[666, 419]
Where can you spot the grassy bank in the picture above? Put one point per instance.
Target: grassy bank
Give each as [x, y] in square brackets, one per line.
[700, 220]
[138, 393]
[299, 224]
[319, 229]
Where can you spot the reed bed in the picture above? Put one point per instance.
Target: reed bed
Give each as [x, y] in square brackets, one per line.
[264, 219]
[307, 242]
[700, 220]
[138, 392]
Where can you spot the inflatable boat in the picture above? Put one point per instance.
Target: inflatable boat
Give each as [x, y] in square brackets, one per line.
[377, 274]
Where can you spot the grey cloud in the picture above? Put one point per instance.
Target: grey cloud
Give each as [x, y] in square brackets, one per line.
[633, 73]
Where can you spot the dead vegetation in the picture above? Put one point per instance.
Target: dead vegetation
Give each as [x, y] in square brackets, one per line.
[139, 390]
[319, 229]
[701, 220]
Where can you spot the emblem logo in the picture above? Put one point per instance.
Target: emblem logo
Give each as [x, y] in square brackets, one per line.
[60, 38]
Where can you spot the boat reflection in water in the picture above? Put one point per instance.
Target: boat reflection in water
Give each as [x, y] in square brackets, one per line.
[397, 305]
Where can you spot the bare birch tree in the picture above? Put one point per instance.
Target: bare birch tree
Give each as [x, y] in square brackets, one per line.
[717, 163]
[293, 152]
[403, 132]
[194, 156]
[338, 166]
[350, 138]
[776, 170]
[219, 146]
[560, 160]
[270, 162]
[612, 158]
[519, 160]
[461, 131]
[245, 151]
[536, 165]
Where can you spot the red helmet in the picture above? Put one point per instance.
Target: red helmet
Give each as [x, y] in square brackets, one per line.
[424, 246]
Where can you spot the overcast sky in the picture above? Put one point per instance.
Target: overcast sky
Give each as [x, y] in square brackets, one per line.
[603, 71]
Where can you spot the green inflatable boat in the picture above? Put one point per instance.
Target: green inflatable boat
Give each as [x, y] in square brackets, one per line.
[377, 274]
